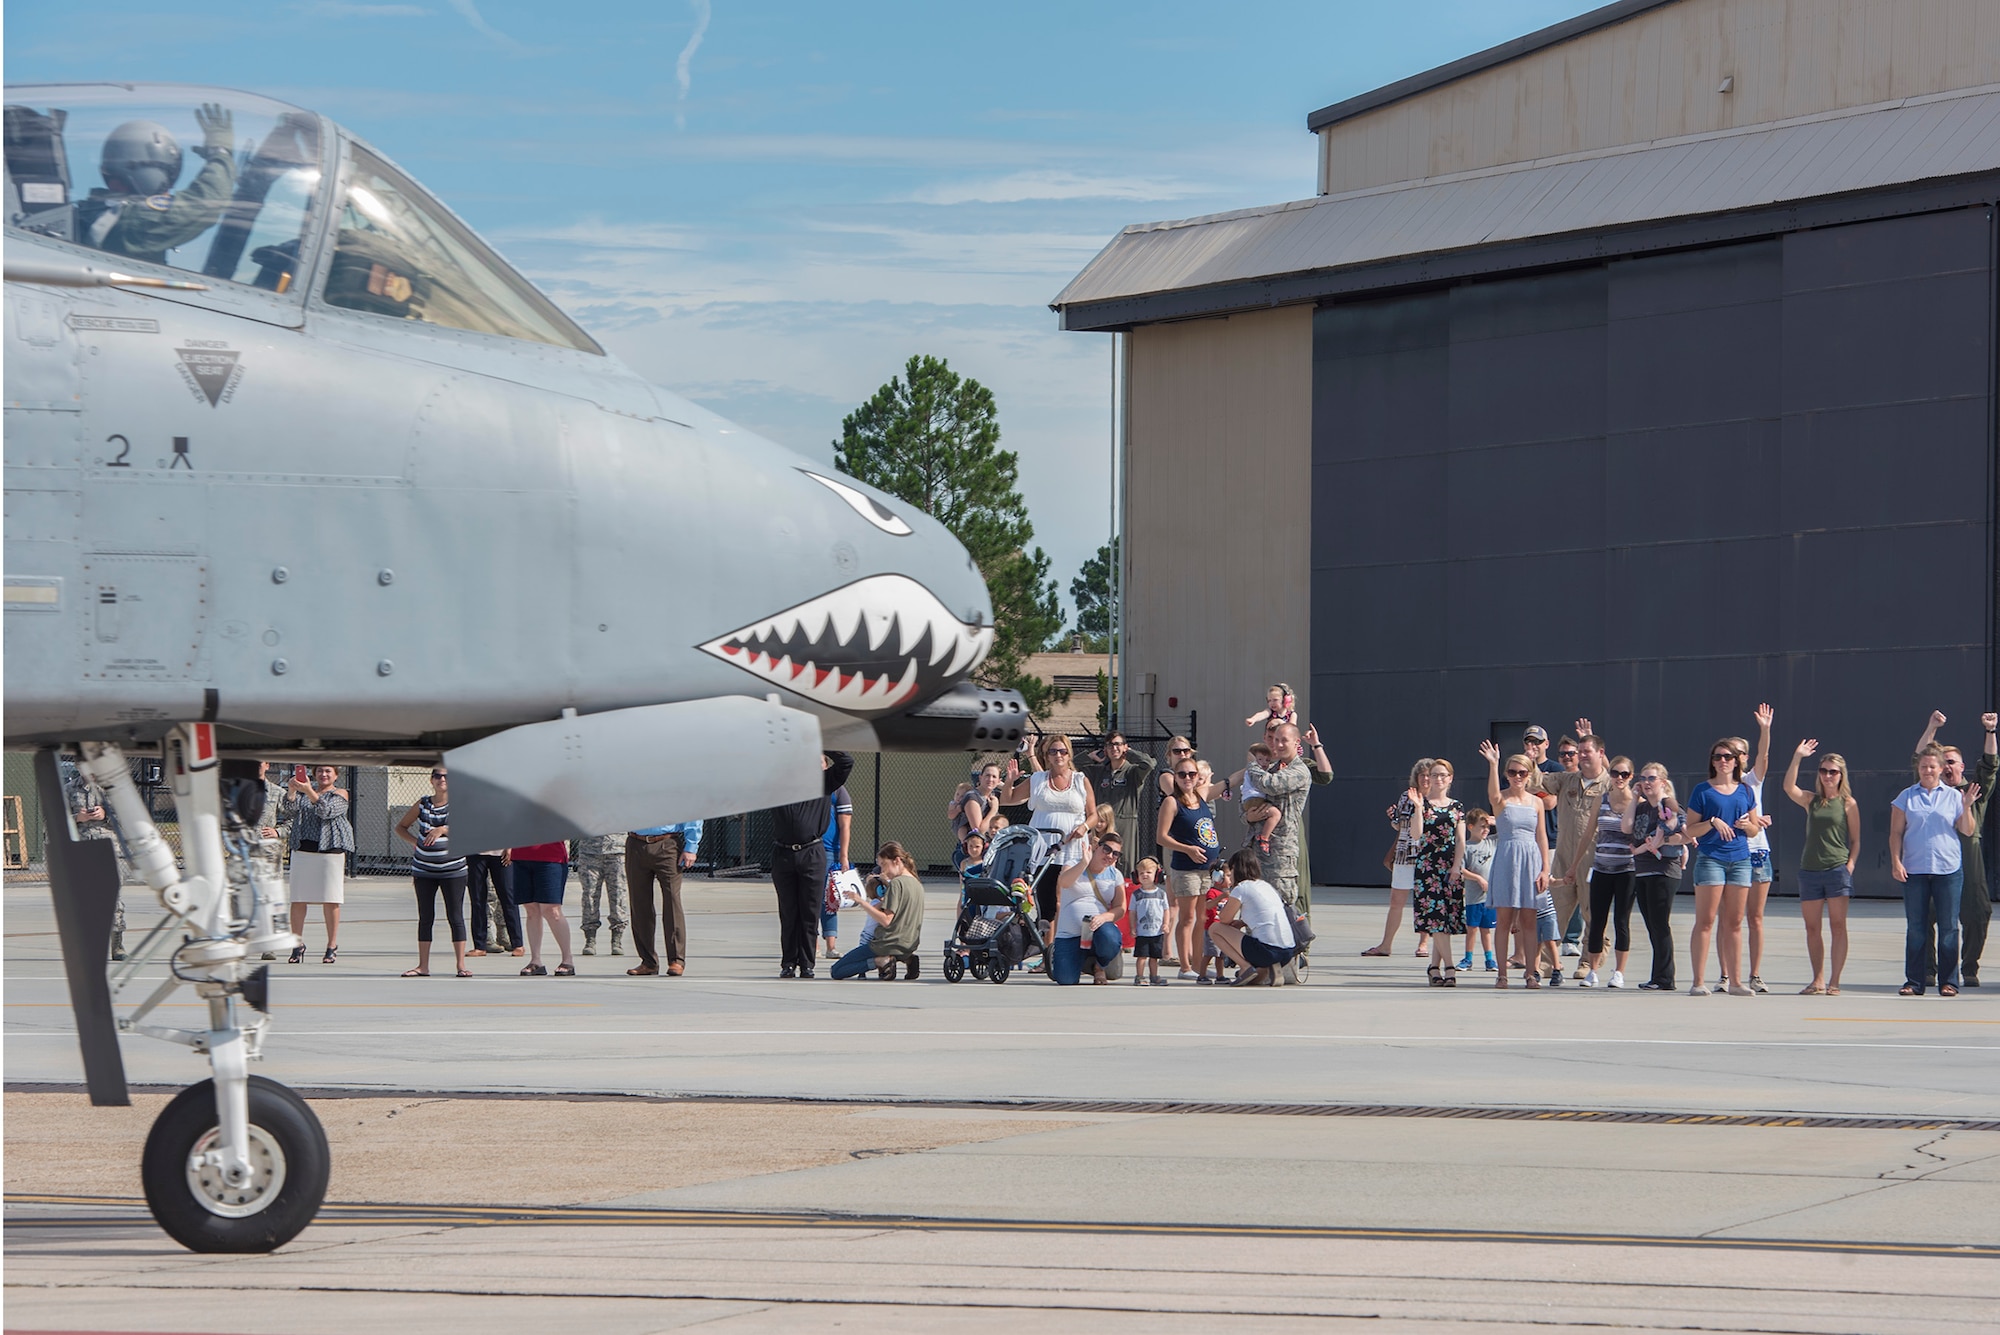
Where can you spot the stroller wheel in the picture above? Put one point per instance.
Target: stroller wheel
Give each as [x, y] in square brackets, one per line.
[997, 970]
[978, 966]
[954, 966]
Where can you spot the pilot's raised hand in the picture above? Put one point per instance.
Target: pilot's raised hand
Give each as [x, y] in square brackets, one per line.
[218, 130]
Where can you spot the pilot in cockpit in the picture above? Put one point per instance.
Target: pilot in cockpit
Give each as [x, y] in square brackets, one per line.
[138, 213]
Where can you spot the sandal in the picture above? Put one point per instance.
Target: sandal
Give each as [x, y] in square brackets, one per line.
[298, 955]
[1812, 990]
[465, 973]
[416, 973]
[565, 971]
[1374, 951]
[1947, 989]
[1534, 980]
[1833, 989]
[332, 954]
[1908, 991]
[1450, 976]
[1437, 980]
[534, 971]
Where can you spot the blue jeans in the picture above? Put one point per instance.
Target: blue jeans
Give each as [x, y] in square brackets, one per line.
[1066, 959]
[1931, 898]
[856, 961]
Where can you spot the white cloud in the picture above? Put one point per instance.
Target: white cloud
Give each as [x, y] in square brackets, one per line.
[469, 11]
[683, 66]
[1023, 187]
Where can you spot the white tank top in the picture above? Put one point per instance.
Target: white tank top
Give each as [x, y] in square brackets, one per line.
[1058, 809]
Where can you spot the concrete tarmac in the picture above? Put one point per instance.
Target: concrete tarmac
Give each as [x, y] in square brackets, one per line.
[914, 1153]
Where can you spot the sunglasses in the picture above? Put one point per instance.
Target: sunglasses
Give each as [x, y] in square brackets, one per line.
[437, 774]
[1723, 755]
[1059, 750]
[1649, 778]
[1621, 774]
[1517, 774]
[1187, 774]
[1833, 770]
[1566, 755]
[1180, 750]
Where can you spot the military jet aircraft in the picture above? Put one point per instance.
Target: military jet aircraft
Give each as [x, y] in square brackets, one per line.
[298, 468]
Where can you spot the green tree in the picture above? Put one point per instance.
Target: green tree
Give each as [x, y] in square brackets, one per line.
[1091, 591]
[932, 438]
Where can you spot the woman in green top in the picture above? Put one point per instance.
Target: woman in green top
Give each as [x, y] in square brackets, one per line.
[899, 919]
[1826, 867]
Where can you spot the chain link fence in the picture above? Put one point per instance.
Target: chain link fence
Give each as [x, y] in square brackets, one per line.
[897, 797]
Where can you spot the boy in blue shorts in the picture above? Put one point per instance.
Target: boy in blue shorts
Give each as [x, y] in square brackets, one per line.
[1479, 916]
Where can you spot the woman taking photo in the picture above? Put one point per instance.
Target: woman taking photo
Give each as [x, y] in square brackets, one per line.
[1653, 820]
[1716, 814]
[540, 873]
[1403, 859]
[436, 871]
[1186, 830]
[322, 837]
[1520, 863]
[1925, 821]
[898, 919]
[1612, 873]
[1093, 900]
[1437, 828]
[1059, 801]
[1826, 866]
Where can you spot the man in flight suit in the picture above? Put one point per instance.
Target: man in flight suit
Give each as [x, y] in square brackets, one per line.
[137, 213]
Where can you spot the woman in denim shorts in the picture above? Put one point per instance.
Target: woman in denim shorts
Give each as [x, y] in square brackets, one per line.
[1826, 866]
[1717, 814]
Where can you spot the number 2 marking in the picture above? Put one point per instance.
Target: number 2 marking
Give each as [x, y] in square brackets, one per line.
[119, 462]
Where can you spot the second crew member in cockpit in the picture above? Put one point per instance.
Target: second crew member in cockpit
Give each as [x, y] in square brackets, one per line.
[138, 213]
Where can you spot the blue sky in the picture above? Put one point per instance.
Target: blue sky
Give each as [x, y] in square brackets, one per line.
[831, 188]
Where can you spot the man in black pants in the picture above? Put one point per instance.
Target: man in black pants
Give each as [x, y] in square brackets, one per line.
[798, 867]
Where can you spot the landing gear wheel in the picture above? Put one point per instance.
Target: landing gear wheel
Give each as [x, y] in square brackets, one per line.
[954, 966]
[997, 970]
[288, 1171]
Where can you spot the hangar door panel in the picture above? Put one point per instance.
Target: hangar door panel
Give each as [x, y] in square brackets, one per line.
[1635, 491]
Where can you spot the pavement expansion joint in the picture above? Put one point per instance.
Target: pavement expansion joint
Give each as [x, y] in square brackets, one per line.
[126, 1211]
[1159, 1107]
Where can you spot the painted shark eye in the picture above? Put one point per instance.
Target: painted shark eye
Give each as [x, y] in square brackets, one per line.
[863, 504]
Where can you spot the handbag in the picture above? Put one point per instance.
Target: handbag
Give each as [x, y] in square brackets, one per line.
[1302, 929]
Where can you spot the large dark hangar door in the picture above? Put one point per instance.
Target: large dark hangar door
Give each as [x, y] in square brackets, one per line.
[1655, 491]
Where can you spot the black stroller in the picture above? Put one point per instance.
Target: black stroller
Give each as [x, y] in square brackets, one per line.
[996, 932]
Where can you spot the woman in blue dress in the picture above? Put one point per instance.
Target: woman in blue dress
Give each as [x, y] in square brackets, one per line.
[1520, 861]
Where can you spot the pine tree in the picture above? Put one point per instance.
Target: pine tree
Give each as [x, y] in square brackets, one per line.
[1091, 591]
[932, 438]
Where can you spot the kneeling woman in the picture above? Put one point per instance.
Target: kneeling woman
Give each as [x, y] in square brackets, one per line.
[899, 919]
[1254, 928]
[1092, 896]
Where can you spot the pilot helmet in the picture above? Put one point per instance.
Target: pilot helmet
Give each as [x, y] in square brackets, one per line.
[141, 158]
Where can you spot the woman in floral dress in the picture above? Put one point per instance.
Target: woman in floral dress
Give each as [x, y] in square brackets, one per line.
[1438, 830]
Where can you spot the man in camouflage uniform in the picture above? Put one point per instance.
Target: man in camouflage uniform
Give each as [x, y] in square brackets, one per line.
[600, 861]
[1285, 783]
[92, 819]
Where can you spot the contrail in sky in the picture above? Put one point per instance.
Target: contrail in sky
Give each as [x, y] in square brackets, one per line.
[468, 11]
[681, 66]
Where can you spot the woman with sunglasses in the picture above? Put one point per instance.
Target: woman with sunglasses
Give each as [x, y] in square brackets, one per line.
[1186, 829]
[435, 870]
[1654, 823]
[1520, 863]
[1438, 829]
[1059, 801]
[1715, 810]
[1826, 866]
[1612, 873]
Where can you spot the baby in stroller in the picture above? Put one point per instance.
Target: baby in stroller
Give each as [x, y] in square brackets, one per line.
[996, 931]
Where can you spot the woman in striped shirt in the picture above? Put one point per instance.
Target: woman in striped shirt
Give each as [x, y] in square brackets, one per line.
[436, 870]
[1611, 875]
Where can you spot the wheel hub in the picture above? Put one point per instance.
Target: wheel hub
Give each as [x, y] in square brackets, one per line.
[210, 1186]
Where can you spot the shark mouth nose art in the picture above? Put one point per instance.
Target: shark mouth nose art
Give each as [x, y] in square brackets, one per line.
[873, 645]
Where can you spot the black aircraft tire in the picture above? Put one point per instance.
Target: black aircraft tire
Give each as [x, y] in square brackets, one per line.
[285, 1136]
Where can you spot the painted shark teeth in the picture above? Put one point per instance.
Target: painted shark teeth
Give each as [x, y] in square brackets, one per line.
[875, 645]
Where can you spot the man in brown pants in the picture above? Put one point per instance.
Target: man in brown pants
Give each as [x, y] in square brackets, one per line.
[658, 856]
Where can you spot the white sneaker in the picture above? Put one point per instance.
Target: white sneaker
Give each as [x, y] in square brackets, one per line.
[1188, 974]
[1570, 948]
[1617, 978]
[1589, 979]
[1697, 991]
[1736, 989]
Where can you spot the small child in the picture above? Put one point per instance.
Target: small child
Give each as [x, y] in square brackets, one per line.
[1259, 813]
[1103, 821]
[1279, 706]
[1479, 916]
[1211, 910]
[1149, 923]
